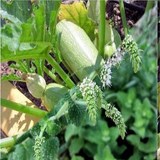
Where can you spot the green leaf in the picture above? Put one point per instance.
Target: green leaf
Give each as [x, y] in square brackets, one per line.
[104, 153]
[77, 13]
[93, 10]
[149, 146]
[76, 113]
[77, 158]
[76, 145]
[26, 51]
[39, 22]
[20, 9]
[23, 151]
[96, 134]
[52, 128]
[5, 15]
[71, 130]
[10, 77]
[10, 34]
[50, 149]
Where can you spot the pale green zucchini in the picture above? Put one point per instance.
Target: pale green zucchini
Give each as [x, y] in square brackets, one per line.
[52, 94]
[77, 49]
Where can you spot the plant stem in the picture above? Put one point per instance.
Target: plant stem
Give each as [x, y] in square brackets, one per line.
[23, 109]
[10, 141]
[102, 28]
[52, 75]
[149, 5]
[123, 16]
[60, 71]
[7, 142]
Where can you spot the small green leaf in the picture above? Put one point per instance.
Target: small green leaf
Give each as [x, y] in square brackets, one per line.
[76, 145]
[77, 158]
[104, 153]
[71, 130]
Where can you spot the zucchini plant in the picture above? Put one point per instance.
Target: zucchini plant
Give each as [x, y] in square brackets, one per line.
[81, 71]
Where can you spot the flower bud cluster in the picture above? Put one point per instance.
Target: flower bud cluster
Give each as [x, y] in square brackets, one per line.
[105, 74]
[90, 92]
[115, 115]
[37, 147]
[130, 46]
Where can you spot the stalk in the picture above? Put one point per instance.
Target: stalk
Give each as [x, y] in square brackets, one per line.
[52, 75]
[10, 141]
[23, 109]
[7, 142]
[123, 16]
[102, 28]
[149, 5]
[60, 71]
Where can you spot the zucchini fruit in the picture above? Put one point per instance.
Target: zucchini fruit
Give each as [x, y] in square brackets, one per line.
[50, 94]
[77, 49]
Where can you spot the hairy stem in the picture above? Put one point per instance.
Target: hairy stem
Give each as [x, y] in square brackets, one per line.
[23, 109]
[102, 28]
[123, 16]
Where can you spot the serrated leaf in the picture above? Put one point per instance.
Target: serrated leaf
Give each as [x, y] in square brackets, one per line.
[76, 113]
[76, 145]
[22, 151]
[10, 77]
[52, 128]
[50, 149]
[26, 51]
[78, 14]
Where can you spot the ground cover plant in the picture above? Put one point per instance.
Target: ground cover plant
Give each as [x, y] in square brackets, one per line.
[101, 102]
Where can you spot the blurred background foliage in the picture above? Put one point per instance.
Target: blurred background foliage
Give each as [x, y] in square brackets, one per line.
[135, 96]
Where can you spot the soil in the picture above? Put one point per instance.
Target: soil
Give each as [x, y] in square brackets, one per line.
[134, 10]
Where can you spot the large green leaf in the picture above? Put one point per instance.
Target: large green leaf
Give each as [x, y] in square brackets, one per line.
[78, 14]
[23, 151]
[20, 9]
[26, 51]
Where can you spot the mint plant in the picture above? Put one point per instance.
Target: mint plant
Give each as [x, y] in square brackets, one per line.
[78, 95]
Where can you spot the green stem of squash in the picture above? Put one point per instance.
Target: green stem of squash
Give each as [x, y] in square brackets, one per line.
[60, 71]
[52, 75]
[11, 141]
[149, 5]
[23, 109]
[123, 16]
[102, 28]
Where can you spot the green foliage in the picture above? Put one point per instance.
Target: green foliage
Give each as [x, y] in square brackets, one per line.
[78, 14]
[20, 9]
[50, 149]
[75, 146]
[23, 151]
